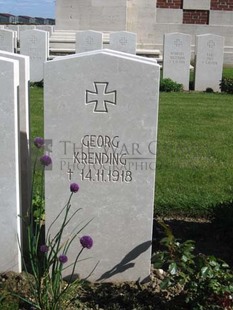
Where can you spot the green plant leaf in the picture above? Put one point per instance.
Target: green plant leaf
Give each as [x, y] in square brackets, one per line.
[173, 268]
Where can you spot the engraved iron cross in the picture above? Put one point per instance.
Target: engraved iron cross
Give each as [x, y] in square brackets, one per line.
[101, 97]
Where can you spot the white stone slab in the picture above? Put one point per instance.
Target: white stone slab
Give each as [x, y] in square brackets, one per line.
[123, 250]
[7, 41]
[9, 167]
[209, 62]
[221, 18]
[24, 126]
[123, 41]
[100, 15]
[196, 4]
[176, 57]
[141, 19]
[34, 43]
[171, 16]
[88, 41]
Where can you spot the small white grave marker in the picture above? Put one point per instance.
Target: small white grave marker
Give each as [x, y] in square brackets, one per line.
[88, 41]
[209, 62]
[123, 41]
[34, 43]
[176, 58]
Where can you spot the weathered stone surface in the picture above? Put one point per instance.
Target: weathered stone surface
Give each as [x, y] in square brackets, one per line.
[97, 15]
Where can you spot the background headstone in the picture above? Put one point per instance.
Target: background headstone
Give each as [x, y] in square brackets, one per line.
[88, 41]
[95, 101]
[176, 58]
[47, 28]
[34, 43]
[7, 40]
[9, 167]
[123, 41]
[208, 62]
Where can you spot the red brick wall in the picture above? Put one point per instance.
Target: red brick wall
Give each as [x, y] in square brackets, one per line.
[195, 17]
[170, 4]
[221, 5]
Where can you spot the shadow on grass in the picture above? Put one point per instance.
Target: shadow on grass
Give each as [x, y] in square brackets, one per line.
[212, 237]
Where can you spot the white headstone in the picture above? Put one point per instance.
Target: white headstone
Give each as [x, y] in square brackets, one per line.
[14, 28]
[9, 167]
[24, 79]
[7, 40]
[88, 41]
[176, 58]
[123, 41]
[47, 28]
[209, 62]
[96, 105]
[34, 43]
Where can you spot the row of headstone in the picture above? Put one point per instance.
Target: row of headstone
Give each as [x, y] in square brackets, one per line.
[208, 60]
[121, 41]
[15, 163]
[20, 28]
[33, 43]
[104, 118]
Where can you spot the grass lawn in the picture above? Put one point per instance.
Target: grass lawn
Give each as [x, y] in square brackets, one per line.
[195, 150]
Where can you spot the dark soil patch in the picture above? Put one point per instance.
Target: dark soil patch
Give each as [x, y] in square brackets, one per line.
[211, 238]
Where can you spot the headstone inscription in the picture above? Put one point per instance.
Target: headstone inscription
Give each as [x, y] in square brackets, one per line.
[108, 142]
[34, 43]
[123, 41]
[7, 40]
[25, 167]
[208, 62]
[176, 58]
[9, 167]
[88, 41]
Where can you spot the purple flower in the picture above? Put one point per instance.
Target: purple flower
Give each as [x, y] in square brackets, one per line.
[74, 187]
[45, 160]
[86, 242]
[63, 258]
[38, 142]
[44, 248]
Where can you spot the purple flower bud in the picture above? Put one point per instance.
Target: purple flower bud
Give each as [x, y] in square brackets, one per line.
[45, 160]
[86, 242]
[39, 142]
[44, 248]
[63, 258]
[74, 187]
